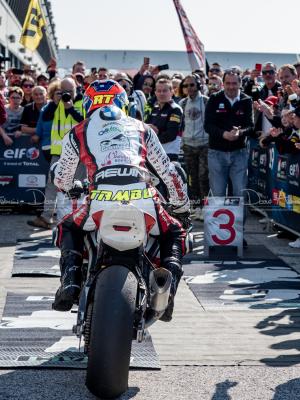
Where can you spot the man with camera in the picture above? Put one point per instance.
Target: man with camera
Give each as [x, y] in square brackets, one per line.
[65, 112]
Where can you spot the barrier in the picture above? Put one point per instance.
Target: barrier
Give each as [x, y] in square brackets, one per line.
[274, 184]
[23, 174]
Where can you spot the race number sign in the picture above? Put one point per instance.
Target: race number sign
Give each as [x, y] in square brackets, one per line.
[223, 223]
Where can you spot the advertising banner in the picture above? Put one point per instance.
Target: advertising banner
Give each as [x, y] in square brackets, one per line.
[274, 184]
[23, 173]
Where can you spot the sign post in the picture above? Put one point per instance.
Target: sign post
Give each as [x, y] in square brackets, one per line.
[223, 223]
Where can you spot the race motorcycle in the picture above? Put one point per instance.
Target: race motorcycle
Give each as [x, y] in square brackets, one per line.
[124, 291]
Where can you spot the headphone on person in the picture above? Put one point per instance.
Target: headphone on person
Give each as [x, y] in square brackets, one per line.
[197, 80]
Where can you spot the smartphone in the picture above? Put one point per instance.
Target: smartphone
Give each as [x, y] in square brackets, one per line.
[163, 67]
[146, 60]
[93, 70]
[258, 67]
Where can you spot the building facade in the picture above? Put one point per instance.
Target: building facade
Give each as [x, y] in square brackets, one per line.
[131, 60]
[12, 16]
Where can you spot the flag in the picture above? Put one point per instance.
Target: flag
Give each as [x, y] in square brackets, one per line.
[32, 32]
[194, 47]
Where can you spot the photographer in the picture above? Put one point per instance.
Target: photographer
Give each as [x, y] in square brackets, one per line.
[64, 113]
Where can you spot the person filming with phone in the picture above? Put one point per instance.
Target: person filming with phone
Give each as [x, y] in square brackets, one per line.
[270, 86]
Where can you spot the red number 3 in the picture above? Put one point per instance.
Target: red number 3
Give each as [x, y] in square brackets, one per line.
[228, 226]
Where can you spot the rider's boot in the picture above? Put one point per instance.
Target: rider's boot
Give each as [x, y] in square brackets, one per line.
[173, 265]
[68, 292]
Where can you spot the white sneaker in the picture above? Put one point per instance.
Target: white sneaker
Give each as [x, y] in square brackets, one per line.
[295, 244]
[198, 215]
[264, 220]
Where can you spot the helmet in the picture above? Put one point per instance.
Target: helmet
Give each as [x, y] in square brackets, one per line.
[103, 93]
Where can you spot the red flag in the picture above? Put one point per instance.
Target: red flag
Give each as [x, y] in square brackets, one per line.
[194, 47]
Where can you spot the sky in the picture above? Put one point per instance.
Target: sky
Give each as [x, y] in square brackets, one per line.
[222, 25]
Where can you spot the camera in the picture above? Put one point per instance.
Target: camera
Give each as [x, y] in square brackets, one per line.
[66, 97]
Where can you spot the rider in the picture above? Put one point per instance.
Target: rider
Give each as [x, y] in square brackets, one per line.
[113, 147]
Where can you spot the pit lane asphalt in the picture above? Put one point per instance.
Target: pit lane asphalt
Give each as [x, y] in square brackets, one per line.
[215, 355]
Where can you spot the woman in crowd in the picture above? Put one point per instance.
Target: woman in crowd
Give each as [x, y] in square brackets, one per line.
[27, 85]
[12, 126]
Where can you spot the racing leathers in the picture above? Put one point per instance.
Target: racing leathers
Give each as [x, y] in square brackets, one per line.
[115, 150]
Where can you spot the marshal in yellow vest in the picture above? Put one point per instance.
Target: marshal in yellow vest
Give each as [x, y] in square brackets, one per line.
[62, 124]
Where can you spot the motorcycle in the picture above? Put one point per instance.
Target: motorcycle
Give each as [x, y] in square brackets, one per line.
[124, 291]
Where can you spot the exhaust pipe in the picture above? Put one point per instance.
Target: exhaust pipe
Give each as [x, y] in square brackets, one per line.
[160, 284]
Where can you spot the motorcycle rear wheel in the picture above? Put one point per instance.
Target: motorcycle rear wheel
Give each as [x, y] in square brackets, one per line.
[111, 332]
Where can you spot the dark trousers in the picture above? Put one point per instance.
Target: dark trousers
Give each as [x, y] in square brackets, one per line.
[196, 167]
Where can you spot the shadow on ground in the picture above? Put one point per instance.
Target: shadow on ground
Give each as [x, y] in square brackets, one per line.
[51, 385]
[284, 323]
[222, 388]
[288, 391]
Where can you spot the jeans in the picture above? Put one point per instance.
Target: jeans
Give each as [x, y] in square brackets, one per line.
[223, 165]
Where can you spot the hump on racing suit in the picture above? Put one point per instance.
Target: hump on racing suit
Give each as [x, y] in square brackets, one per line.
[115, 148]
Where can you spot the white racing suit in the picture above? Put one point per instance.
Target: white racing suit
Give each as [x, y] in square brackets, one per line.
[115, 152]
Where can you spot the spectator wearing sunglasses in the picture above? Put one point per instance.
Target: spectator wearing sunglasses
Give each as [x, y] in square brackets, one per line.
[215, 69]
[27, 85]
[195, 143]
[203, 80]
[271, 84]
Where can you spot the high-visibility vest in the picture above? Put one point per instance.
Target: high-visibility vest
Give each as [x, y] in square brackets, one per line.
[61, 125]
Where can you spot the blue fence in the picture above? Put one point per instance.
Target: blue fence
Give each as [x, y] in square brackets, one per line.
[274, 184]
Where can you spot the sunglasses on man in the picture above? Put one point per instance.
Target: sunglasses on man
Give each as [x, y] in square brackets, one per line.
[215, 70]
[186, 85]
[269, 72]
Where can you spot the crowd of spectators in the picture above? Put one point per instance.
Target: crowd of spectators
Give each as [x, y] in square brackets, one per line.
[205, 116]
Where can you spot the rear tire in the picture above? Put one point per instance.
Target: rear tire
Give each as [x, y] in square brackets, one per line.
[111, 332]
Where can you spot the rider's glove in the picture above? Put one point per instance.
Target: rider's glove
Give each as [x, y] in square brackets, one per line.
[181, 213]
[184, 219]
[76, 190]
